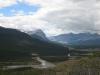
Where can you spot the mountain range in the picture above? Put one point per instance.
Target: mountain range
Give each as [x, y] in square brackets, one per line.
[16, 44]
[81, 40]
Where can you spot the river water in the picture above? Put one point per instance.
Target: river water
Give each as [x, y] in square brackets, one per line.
[44, 64]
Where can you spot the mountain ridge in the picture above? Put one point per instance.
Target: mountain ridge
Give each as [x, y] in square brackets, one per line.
[15, 44]
[38, 34]
[82, 39]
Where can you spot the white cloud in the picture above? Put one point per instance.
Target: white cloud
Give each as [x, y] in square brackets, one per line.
[20, 22]
[5, 3]
[58, 16]
[69, 15]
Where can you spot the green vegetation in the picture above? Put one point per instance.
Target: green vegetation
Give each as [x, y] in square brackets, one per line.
[84, 65]
[72, 67]
[21, 72]
[96, 54]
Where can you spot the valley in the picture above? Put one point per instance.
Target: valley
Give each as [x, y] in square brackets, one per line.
[34, 54]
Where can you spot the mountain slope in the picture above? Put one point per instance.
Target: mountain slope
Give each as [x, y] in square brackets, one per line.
[14, 44]
[39, 34]
[81, 39]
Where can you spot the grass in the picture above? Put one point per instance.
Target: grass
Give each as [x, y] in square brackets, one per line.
[86, 65]
[21, 72]
[81, 65]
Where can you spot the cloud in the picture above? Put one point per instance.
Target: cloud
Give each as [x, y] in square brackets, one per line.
[5, 3]
[21, 22]
[58, 16]
[74, 16]
[28, 23]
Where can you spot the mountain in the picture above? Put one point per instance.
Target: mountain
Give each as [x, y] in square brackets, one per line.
[16, 44]
[39, 34]
[81, 39]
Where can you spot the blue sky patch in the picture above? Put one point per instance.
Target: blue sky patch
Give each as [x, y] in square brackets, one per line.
[13, 9]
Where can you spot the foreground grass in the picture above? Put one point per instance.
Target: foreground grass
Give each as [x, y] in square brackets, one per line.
[83, 66]
[21, 72]
[86, 64]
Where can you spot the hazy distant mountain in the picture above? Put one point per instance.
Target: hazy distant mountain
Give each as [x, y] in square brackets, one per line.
[14, 44]
[39, 34]
[82, 39]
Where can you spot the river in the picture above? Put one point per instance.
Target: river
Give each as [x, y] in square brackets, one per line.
[44, 64]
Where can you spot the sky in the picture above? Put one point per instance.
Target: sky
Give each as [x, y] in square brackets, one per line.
[54, 17]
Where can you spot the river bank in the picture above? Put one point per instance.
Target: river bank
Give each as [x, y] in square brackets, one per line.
[43, 64]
